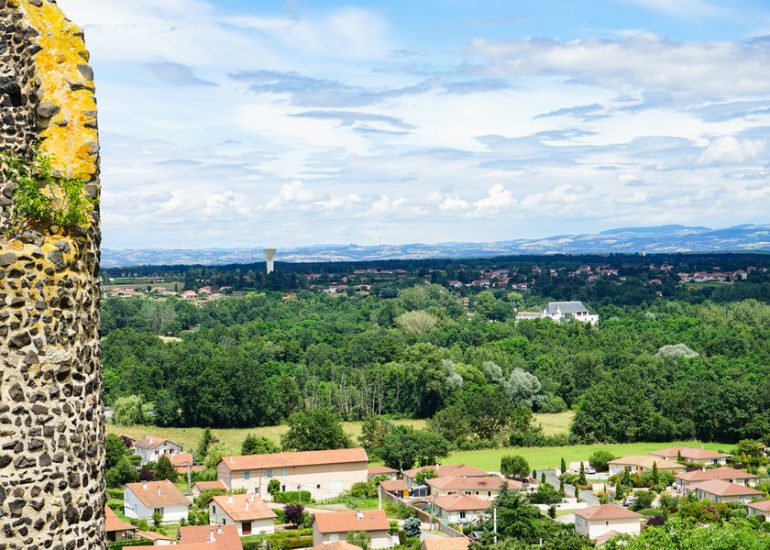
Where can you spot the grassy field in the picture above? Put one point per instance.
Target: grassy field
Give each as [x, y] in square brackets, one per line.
[541, 458]
[555, 424]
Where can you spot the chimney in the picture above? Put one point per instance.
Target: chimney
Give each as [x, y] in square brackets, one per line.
[144, 485]
[252, 497]
[229, 499]
[212, 538]
[247, 505]
[219, 530]
[359, 515]
[158, 490]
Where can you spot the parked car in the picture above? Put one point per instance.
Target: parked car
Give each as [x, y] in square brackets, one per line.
[629, 501]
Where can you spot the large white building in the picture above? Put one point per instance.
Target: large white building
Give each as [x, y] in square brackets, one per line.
[607, 520]
[324, 474]
[560, 312]
[141, 500]
[332, 527]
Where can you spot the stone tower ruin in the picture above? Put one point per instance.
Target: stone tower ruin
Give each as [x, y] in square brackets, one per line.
[51, 408]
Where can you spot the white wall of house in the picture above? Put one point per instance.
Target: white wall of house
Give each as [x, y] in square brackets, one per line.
[322, 481]
[485, 494]
[380, 539]
[152, 455]
[135, 509]
[754, 512]
[703, 495]
[217, 516]
[596, 528]
[455, 516]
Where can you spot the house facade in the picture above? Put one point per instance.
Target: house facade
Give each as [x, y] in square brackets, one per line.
[442, 470]
[203, 486]
[249, 514]
[718, 490]
[151, 447]
[760, 508]
[215, 537]
[141, 500]
[487, 487]
[324, 474]
[732, 475]
[460, 509]
[379, 471]
[330, 527]
[599, 521]
[396, 487]
[641, 464]
[116, 528]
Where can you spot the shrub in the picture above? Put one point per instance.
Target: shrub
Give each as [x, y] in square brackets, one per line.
[399, 510]
[643, 500]
[293, 497]
[545, 494]
[600, 459]
[412, 527]
[202, 501]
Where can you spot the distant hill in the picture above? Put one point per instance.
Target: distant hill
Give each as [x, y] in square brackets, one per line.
[660, 239]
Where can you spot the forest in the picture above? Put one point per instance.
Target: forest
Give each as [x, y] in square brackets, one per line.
[655, 369]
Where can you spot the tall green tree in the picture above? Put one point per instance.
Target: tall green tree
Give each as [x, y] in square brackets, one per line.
[314, 431]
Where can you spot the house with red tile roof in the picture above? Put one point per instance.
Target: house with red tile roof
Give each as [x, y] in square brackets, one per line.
[141, 500]
[719, 490]
[599, 521]
[249, 514]
[396, 487]
[377, 471]
[116, 528]
[324, 474]
[692, 454]
[759, 508]
[741, 477]
[339, 545]
[219, 537]
[443, 470]
[334, 527]
[459, 508]
[458, 543]
[184, 461]
[641, 463]
[486, 487]
[151, 447]
[203, 486]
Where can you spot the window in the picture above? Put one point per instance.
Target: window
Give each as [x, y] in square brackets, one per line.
[462, 515]
[283, 471]
[247, 474]
[213, 509]
[269, 473]
[158, 511]
[246, 527]
[318, 486]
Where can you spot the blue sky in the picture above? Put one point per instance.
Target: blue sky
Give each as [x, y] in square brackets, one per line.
[250, 123]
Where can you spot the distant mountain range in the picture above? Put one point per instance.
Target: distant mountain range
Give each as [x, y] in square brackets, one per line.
[661, 239]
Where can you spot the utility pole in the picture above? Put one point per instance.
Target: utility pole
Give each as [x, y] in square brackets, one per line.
[494, 522]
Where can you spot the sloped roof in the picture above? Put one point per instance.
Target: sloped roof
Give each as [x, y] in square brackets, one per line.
[607, 512]
[715, 473]
[209, 485]
[646, 462]
[688, 453]
[724, 488]
[344, 522]
[157, 494]
[114, 523]
[488, 483]
[458, 503]
[244, 507]
[152, 442]
[394, 485]
[293, 459]
[762, 505]
[381, 470]
[606, 537]
[446, 470]
[338, 545]
[566, 307]
[225, 536]
[457, 543]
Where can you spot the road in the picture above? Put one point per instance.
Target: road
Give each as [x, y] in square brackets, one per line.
[586, 496]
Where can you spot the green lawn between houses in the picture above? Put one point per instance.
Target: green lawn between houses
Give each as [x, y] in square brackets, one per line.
[539, 458]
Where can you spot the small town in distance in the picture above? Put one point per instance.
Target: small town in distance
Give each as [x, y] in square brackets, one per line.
[448, 469]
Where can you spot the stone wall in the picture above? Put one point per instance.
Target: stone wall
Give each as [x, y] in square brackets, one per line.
[51, 408]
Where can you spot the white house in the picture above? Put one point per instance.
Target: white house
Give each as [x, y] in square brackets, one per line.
[719, 490]
[324, 474]
[561, 311]
[457, 508]
[142, 500]
[761, 508]
[150, 447]
[443, 470]
[741, 477]
[330, 527]
[691, 454]
[248, 513]
[486, 487]
[606, 519]
[641, 463]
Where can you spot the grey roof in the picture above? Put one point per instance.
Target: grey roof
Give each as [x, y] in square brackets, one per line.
[566, 307]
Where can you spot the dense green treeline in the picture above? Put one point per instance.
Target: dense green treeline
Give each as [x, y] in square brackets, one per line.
[659, 372]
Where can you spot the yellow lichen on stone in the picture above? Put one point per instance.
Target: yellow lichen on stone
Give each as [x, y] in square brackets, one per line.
[62, 66]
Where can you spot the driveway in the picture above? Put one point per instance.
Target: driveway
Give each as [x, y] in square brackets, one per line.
[586, 496]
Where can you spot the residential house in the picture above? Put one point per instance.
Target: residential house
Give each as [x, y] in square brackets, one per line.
[156, 538]
[760, 508]
[249, 514]
[335, 526]
[458, 508]
[560, 311]
[220, 537]
[189, 295]
[690, 454]
[184, 461]
[486, 487]
[325, 474]
[203, 486]
[639, 464]
[741, 477]
[396, 487]
[457, 543]
[443, 470]
[719, 490]
[116, 528]
[378, 471]
[150, 447]
[606, 520]
[141, 500]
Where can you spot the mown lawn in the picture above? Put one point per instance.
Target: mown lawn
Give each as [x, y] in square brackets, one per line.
[230, 438]
[555, 423]
[542, 458]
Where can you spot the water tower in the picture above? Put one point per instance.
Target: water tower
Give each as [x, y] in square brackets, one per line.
[270, 259]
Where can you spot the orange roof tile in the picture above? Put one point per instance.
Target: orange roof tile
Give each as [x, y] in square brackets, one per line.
[394, 485]
[724, 488]
[762, 505]
[157, 494]
[381, 470]
[339, 545]
[606, 512]
[688, 453]
[646, 462]
[304, 458]
[149, 535]
[152, 442]
[243, 507]
[114, 523]
[457, 502]
[487, 483]
[225, 536]
[606, 537]
[345, 522]
[210, 485]
[446, 470]
[457, 543]
[715, 473]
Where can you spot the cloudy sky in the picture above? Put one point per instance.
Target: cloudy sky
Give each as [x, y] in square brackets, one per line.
[229, 123]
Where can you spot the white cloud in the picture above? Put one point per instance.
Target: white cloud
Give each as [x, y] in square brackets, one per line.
[733, 150]
[453, 203]
[498, 198]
